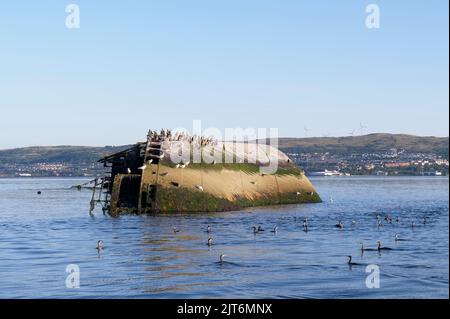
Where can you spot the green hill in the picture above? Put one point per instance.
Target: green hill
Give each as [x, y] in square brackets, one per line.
[57, 154]
[371, 143]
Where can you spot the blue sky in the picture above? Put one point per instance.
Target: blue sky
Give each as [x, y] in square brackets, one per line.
[137, 65]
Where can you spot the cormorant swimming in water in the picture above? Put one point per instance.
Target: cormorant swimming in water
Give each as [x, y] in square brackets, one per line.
[382, 248]
[339, 225]
[366, 249]
[350, 263]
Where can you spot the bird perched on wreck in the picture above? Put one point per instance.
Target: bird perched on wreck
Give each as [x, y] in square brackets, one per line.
[143, 167]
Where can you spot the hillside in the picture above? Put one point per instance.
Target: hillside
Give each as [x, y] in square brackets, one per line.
[57, 154]
[372, 143]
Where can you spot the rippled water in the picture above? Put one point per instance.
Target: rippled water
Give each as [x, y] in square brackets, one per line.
[143, 258]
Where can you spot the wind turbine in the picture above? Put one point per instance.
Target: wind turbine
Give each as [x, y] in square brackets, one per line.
[306, 131]
[361, 127]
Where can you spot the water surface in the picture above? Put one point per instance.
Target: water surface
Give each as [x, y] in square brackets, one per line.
[41, 234]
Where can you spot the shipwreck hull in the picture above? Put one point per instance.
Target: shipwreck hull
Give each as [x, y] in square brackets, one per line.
[159, 185]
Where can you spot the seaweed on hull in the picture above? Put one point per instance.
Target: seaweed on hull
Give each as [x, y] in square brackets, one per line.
[217, 176]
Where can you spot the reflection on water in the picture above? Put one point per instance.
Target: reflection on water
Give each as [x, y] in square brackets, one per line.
[143, 257]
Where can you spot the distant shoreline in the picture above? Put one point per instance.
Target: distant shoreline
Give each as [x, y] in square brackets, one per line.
[391, 154]
[309, 176]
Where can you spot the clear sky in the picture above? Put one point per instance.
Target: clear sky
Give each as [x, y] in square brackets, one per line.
[135, 65]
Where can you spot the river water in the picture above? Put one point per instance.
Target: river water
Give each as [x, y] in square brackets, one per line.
[40, 235]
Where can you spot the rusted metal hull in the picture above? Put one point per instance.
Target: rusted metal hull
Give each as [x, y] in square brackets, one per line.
[144, 179]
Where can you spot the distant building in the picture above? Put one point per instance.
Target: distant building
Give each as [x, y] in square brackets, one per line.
[326, 173]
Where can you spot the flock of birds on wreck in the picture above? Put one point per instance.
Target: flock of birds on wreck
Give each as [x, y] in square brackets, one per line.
[167, 135]
[305, 225]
